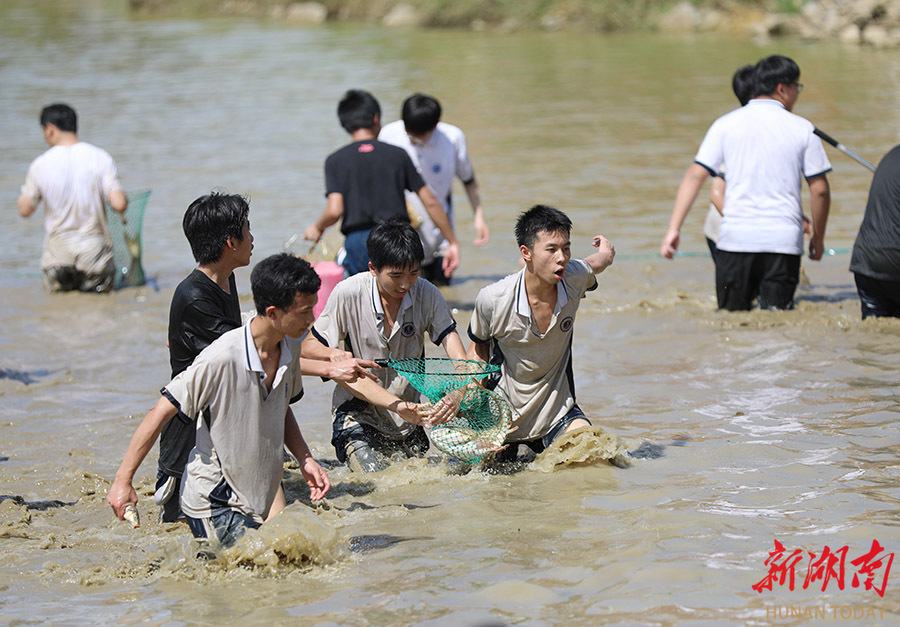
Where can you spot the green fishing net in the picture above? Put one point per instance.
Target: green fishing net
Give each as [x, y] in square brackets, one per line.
[484, 418]
[126, 239]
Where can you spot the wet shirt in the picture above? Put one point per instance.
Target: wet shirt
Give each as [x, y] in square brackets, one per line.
[237, 461]
[768, 151]
[200, 312]
[74, 182]
[876, 252]
[536, 376]
[354, 315]
[372, 177]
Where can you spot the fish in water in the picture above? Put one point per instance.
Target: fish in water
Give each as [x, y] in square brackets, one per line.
[23, 376]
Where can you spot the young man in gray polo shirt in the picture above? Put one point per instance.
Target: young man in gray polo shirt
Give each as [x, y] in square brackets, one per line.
[384, 313]
[240, 389]
[525, 323]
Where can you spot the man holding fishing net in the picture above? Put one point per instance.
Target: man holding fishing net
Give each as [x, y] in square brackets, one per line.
[384, 313]
[74, 179]
[525, 323]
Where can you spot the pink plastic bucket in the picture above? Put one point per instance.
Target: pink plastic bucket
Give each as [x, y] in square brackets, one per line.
[331, 274]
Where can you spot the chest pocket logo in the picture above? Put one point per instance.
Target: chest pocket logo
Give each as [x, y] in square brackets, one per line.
[566, 325]
[436, 168]
[408, 329]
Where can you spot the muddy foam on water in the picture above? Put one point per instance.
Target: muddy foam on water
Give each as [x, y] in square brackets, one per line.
[587, 446]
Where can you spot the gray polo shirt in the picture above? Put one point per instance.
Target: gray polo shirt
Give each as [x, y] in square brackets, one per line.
[354, 315]
[536, 373]
[237, 460]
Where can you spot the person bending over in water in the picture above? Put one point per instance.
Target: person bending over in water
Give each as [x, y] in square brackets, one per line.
[525, 323]
[240, 389]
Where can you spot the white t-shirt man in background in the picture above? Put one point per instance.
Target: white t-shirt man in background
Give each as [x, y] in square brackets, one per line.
[75, 180]
[767, 151]
[438, 151]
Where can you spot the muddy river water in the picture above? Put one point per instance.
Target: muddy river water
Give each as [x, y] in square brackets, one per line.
[775, 427]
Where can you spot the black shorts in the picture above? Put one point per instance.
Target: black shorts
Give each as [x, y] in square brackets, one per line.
[770, 278]
[415, 444]
[878, 298]
[434, 272]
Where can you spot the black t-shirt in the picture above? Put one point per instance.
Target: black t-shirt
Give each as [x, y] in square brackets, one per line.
[372, 176]
[201, 311]
[876, 253]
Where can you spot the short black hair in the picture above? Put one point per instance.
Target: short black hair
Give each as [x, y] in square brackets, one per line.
[276, 280]
[421, 114]
[744, 83]
[357, 109]
[395, 244]
[773, 71]
[210, 220]
[60, 115]
[540, 218]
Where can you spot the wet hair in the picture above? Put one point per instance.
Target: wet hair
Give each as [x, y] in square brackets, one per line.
[276, 280]
[420, 114]
[60, 115]
[210, 220]
[540, 218]
[744, 83]
[395, 244]
[773, 71]
[357, 109]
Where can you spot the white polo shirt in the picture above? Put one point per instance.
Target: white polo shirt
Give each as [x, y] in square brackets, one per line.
[536, 377]
[354, 315]
[767, 151]
[237, 460]
[438, 160]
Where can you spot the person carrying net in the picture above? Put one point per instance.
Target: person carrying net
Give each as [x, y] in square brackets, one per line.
[525, 323]
[384, 314]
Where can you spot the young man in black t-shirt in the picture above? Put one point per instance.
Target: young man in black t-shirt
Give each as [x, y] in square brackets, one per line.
[365, 183]
[205, 305]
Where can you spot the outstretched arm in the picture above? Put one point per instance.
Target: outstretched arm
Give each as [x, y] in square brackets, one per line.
[482, 232]
[604, 256]
[687, 193]
[442, 222]
[820, 204]
[334, 209]
[121, 493]
[315, 475]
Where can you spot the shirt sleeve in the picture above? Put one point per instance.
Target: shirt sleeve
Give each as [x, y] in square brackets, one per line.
[414, 180]
[480, 324]
[580, 276]
[329, 327]
[110, 177]
[464, 169]
[31, 189]
[815, 161]
[710, 155]
[442, 321]
[192, 390]
[332, 176]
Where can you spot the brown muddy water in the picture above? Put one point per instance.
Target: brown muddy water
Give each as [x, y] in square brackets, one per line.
[774, 425]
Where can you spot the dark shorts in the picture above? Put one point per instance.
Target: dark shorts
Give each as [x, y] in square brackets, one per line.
[434, 272]
[357, 252]
[225, 526]
[171, 509]
[346, 440]
[538, 445]
[69, 279]
[770, 278]
[878, 298]
[713, 249]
